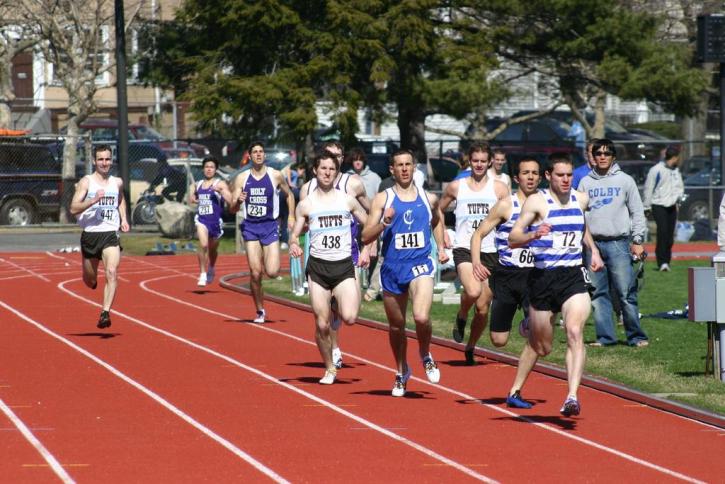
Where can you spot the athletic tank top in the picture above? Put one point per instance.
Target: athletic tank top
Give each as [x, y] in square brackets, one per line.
[341, 186]
[520, 257]
[330, 235]
[471, 208]
[407, 238]
[562, 247]
[210, 203]
[102, 216]
[262, 204]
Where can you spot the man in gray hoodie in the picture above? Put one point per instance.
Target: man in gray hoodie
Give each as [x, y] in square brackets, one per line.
[612, 195]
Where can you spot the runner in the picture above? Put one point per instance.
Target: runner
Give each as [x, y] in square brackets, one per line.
[255, 192]
[99, 204]
[404, 214]
[474, 197]
[330, 269]
[210, 195]
[559, 282]
[353, 186]
[508, 280]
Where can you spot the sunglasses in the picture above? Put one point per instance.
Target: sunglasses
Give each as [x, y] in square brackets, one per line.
[602, 153]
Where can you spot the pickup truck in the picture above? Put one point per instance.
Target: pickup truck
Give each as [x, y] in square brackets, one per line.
[30, 183]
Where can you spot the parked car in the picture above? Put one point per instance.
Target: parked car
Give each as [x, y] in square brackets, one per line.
[629, 144]
[538, 137]
[703, 193]
[106, 130]
[31, 186]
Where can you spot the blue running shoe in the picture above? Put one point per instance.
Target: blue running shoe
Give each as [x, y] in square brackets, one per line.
[515, 401]
[571, 407]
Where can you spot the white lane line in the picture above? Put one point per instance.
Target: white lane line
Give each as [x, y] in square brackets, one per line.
[33, 273]
[39, 447]
[426, 451]
[165, 403]
[550, 428]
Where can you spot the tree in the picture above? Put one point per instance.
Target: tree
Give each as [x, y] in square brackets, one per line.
[75, 37]
[15, 37]
[592, 49]
[351, 54]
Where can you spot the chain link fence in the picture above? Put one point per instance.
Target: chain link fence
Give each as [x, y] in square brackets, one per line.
[33, 190]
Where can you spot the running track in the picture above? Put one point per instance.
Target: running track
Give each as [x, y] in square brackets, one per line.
[183, 388]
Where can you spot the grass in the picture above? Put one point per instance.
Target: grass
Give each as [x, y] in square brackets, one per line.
[673, 366]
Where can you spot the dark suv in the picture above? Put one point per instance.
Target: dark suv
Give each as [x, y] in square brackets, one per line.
[30, 183]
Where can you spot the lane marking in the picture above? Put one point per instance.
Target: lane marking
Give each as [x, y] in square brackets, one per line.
[424, 450]
[505, 411]
[33, 273]
[37, 444]
[163, 402]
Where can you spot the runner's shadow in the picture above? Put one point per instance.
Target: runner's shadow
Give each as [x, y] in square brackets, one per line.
[316, 380]
[203, 291]
[96, 335]
[501, 401]
[563, 423]
[319, 364]
[458, 363]
[386, 393]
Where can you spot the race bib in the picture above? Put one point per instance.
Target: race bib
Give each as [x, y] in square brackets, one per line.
[206, 210]
[567, 239]
[256, 210]
[409, 240]
[523, 256]
[420, 270]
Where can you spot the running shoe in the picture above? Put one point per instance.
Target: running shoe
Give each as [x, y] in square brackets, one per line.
[431, 369]
[524, 328]
[202, 280]
[336, 321]
[261, 317]
[104, 321]
[210, 275]
[337, 358]
[571, 407]
[400, 383]
[470, 360]
[515, 401]
[329, 377]
[459, 329]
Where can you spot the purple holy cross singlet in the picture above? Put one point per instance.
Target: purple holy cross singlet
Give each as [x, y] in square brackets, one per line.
[209, 209]
[261, 210]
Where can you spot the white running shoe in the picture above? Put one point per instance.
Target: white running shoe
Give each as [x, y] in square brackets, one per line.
[431, 369]
[202, 280]
[337, 358]
[210, 275]
[400, 383]
[329, 377]
[261, 317]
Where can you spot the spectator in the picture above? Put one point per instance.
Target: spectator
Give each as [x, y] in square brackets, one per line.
[583, 170]
[619, 238]
[174, 180]
[663, 190]
[357, 160]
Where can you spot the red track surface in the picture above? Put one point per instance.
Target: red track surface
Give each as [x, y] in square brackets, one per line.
[182, 388]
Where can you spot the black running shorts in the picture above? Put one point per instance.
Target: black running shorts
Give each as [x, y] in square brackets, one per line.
[550, 288]
[329, 274]
[510, 292]
[488, 259]
[93, 243]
